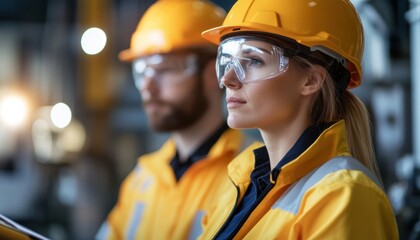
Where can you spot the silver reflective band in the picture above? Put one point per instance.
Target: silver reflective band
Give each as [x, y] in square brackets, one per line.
[163, 69]
[250, 58]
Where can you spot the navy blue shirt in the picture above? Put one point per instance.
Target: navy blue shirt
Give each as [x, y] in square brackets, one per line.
[180, 167]
[260, 180]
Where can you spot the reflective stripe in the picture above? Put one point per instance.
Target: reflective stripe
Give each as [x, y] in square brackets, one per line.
[103, 232]
[135, 221]
[290, 201]
[136, 178]
[146, 184]
[197, 229]
[137, 169]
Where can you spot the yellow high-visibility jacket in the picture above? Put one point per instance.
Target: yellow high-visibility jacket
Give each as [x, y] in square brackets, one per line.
[153, 205]
[324, 193]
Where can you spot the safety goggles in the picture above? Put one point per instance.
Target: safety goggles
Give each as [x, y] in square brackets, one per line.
[250, 58]
[164, 69]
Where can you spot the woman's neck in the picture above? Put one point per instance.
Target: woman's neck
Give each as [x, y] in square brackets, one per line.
[280, 139]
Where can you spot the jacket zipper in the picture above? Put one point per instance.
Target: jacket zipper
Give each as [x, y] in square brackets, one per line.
[245, 217]
[231, 212]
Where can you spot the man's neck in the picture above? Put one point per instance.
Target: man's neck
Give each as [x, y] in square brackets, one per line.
[189, 139]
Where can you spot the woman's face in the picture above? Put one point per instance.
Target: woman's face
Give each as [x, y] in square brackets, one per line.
[262, 102]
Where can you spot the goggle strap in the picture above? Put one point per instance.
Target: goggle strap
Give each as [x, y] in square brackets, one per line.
[337, 70]
[341, 76]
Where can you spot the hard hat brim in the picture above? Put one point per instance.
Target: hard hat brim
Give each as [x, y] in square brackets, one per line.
[130, 55]
[126, 55]
[214, 35]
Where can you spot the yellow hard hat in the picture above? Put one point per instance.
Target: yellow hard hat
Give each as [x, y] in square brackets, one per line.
[332, 25]
[170, 25]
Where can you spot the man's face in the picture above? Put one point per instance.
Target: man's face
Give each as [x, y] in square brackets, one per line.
[172, 90]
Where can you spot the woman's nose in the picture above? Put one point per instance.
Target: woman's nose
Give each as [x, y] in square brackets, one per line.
[230, 79]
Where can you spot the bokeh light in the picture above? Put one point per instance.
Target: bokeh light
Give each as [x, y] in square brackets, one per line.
[14, 111]
[93, 41]
[61, 115]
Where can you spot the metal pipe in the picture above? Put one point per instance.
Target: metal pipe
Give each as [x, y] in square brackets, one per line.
[413, 17]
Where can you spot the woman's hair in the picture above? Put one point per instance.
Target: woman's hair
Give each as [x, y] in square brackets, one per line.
[333, 105]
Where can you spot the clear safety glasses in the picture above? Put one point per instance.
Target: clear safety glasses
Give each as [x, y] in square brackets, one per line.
[250, 58]
[164, 69]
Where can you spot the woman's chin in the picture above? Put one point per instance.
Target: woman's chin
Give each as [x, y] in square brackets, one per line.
[237, 123]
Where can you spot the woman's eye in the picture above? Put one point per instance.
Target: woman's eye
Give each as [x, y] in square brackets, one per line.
[254, 62]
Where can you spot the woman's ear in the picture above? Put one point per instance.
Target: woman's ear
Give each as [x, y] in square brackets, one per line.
[314, 80]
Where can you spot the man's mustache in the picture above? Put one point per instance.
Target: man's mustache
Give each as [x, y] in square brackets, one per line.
[155, 101]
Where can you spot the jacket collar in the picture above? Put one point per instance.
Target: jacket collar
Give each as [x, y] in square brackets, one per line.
[241, 167]
[158, 162]
[330, 143]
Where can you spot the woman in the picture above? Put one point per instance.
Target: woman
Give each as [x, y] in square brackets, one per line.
[287, 67]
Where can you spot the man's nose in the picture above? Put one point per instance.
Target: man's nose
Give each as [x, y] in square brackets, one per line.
[148, 87]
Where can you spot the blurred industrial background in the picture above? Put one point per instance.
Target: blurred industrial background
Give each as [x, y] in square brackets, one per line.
[72, 126]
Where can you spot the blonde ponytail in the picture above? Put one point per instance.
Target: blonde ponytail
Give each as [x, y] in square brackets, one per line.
[331, 106]
[358, 129]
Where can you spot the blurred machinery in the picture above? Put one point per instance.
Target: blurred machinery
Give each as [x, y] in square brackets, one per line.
[392, 94]
[386, 84]
[405, 193]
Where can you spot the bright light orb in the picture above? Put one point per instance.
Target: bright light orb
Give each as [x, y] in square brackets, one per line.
[61, 115]
[14, 111]
[93, 41]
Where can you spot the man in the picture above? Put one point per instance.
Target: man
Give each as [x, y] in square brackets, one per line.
[170, 191]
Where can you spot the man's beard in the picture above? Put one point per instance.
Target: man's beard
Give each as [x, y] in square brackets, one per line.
[179, 115]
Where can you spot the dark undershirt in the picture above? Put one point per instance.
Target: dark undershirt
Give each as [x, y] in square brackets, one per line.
[180, 168]
[260, 180]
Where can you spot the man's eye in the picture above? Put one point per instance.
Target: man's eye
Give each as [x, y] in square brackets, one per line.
[164, 70]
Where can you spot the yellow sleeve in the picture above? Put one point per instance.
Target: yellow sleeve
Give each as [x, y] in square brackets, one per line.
[346, 211]
[113, 227]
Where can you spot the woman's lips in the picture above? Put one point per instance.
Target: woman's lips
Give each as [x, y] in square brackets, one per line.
[234, 102]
